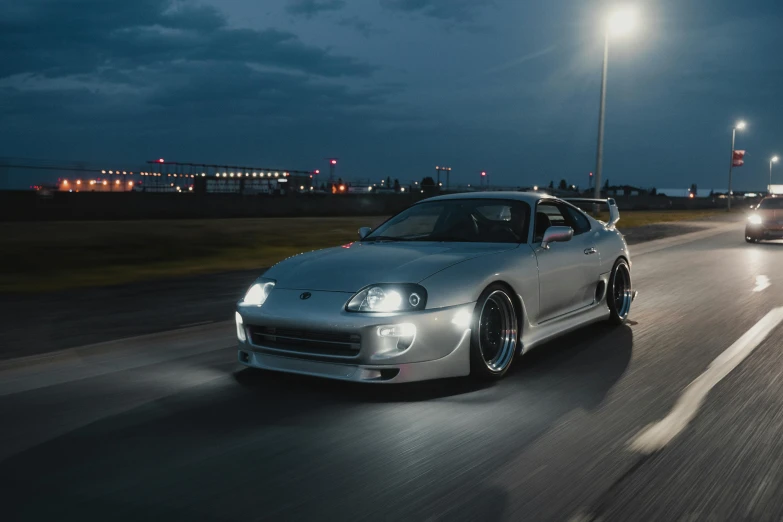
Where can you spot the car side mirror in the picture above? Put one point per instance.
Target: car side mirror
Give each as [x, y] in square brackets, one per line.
[364, 231]
[557, 235]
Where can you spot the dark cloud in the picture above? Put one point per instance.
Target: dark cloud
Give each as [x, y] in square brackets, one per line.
[362, 27]
[453, 10]
[309, 8]
[266, 96]
[59, 38]
[139, 76]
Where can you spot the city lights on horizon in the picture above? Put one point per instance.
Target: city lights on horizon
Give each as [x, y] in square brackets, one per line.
[268, 179]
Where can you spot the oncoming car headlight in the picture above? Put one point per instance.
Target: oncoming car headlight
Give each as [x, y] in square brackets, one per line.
[754, 219]
[388, 298]
[257, 294]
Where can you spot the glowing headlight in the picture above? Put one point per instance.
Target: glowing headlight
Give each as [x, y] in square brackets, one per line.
[754, 219]
[388, 298]
[397, 330]
[240, 327]
[258, 293]
[405, 334]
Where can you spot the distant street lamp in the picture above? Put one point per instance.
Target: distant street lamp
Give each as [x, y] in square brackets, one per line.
[773, 159]
[620, 22]
[739, 126]
[332, 166]
[447, 170]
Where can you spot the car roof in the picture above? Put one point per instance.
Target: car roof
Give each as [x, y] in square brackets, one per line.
[528, 197]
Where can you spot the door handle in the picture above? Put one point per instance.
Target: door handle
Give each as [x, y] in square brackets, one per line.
[589, 251]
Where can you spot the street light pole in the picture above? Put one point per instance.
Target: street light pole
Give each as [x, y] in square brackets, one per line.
[619, 22]
[739, 126]
[599, 157]
[773, 159]
[731, 166]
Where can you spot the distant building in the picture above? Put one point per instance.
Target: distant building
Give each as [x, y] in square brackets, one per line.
[624, 190]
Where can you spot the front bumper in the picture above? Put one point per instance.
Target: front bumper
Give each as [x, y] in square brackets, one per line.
[440, 346]
[764, 231]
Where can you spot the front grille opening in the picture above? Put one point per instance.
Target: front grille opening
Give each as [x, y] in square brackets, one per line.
[317, 342]
[244, 357]
[387, 375]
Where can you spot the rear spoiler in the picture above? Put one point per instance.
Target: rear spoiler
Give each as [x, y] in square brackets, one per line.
[614, 212]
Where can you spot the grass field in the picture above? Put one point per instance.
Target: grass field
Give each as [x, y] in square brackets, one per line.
[50, 256]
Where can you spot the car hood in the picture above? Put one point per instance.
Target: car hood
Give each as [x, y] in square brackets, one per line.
[351, 267]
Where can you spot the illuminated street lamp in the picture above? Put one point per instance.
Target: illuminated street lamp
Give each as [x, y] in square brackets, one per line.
[739, 126]
[773, 159]
[620, 22]
[332, 166]
[447, 170]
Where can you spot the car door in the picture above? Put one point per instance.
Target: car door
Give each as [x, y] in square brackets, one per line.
[567, 271]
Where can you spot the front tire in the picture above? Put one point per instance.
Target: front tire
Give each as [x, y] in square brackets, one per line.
[750, 237]
[495, 333]
[619, 295]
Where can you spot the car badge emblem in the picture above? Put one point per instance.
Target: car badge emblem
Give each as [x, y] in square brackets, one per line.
[305, 295]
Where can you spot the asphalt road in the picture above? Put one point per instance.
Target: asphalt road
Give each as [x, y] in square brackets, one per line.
[168, 427]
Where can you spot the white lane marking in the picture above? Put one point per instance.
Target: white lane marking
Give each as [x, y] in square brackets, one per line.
[659, 434]
[762, 282]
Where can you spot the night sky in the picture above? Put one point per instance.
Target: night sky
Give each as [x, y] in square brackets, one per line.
[395, 87]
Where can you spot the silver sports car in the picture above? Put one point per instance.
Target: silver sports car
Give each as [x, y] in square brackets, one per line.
[454, 285]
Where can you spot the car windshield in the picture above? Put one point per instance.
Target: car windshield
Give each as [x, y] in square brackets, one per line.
[458, 220]
[771, 203]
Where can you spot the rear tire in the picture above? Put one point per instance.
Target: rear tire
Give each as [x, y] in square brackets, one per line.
[494, 334]
[619, 293]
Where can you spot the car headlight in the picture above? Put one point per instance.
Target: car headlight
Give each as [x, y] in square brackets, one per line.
[388, 298]
[754, 219]
[257, 294]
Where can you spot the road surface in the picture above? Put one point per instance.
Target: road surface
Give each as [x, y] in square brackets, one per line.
[599, 425]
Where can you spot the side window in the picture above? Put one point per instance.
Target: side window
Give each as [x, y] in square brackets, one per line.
[548, 215]
[576, 220]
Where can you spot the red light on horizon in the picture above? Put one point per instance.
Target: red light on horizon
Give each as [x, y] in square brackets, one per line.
[317, 171]
[160, 160]
[483, 173]
[334, 162]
